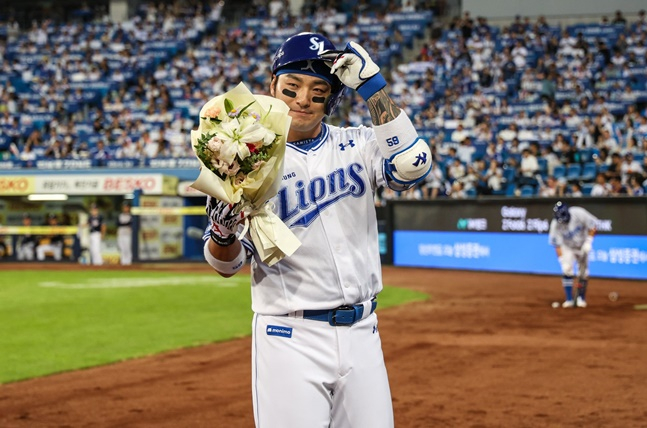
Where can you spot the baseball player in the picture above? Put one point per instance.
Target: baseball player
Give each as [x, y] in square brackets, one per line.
[26, 245]
[97, 233]
[52, 243]
[571, 233]
[125, 235]
[317, 358]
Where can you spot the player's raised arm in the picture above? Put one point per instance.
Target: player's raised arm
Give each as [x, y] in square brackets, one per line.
[407, 157]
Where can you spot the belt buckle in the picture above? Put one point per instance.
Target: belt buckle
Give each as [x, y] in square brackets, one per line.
[332, 316]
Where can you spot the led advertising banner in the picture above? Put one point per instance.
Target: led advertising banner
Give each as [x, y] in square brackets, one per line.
[511, 235]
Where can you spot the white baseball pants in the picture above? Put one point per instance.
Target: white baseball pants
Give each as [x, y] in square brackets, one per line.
[320, 376]
[95, 248]
[124, 243]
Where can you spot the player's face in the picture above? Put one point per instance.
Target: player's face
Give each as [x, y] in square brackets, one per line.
[306, 96]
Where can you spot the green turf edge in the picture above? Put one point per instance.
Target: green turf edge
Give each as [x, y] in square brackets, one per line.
[389, 297]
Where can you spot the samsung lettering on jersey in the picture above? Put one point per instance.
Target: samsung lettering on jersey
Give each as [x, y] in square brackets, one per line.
[308, 200]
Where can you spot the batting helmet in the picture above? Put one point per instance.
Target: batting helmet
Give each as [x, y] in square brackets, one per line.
[560, 211]
[300, 54]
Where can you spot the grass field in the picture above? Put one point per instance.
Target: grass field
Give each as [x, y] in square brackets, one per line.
[53, 321]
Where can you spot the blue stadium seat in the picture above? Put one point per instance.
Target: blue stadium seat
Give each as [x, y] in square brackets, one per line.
[527, 191]
[587, 188]
[589, 171]
[559, 172]
[573, 171]
[471, 192]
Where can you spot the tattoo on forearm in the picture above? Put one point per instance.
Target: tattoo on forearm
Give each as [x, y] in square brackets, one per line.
[382, 108]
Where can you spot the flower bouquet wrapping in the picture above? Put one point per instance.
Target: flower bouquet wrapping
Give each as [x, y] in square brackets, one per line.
[240, 143]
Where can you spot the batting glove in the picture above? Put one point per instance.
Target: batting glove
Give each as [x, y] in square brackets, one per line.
[224, 220]
[355, 68]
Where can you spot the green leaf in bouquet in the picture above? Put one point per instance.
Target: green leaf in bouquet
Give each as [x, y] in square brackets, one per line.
[229, 106]
[244, 108]
[212, 119]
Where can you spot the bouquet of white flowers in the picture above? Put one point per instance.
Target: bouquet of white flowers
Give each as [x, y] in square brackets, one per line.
[240, 143]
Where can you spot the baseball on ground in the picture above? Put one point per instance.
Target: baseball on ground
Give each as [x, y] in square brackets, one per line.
[613, 296]
[555, 305]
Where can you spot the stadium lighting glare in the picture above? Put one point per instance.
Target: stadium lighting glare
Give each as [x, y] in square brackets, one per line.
[47, 197]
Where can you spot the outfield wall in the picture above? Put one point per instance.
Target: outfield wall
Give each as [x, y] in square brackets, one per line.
[511, 235]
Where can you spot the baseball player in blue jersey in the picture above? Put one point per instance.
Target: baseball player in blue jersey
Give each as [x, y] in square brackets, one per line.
[317, 357]
[571, 233]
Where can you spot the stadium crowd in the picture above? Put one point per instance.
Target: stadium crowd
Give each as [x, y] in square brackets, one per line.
[526, 109]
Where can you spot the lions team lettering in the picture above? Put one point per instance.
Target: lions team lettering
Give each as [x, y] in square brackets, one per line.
[311, 198]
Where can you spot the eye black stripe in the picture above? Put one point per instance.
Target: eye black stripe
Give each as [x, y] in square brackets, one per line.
[289, 93]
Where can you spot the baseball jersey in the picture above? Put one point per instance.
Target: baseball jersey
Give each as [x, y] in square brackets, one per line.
[326, 199]
[574, 233]
[95, 222]
[125, 220]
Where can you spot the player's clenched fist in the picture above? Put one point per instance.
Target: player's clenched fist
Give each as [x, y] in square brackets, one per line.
[224, 220]
[355, 69]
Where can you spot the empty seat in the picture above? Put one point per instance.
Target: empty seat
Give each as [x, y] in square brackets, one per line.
[559, 171]
[589, 171]
[527, 191]
[573, 171]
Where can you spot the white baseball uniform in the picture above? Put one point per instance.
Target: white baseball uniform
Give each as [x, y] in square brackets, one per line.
[125, 238]
[570, 237]
[327, 200]
[96, 223]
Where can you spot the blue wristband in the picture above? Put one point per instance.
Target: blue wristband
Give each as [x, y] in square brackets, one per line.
[371, 86]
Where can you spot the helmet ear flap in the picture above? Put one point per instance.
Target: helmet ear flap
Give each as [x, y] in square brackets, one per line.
[333, 101]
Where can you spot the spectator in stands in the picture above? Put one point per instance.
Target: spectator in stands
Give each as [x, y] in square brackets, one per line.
[457, 191]
[619, 18]
[634, 186]
[465, 150]
[575, 190]
[629, 167]
[548, 189]
[601, 187]
[528, 168]
[614, 169]
[100, 153]
[456, 170]
[459, 134]
[471, 178]
[127, 150]
[493, 178]
[55, 150]
[27, 154]
[434, 182]
[617, 188]
[509, 133]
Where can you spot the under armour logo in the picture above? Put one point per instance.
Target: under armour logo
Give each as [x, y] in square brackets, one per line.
[420, 159]
[375, 329]
[343, 146]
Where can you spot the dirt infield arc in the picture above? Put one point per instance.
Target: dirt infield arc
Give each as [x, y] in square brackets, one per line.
[487, 350]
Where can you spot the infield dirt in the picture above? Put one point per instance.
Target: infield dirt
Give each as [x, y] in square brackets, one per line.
[487, 350]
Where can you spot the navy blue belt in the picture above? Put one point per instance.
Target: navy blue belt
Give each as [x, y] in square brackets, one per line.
[343, 315]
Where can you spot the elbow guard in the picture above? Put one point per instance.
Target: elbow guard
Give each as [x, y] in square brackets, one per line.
[407, 167]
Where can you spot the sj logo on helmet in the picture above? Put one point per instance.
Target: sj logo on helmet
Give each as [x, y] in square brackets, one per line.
[317, 45]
